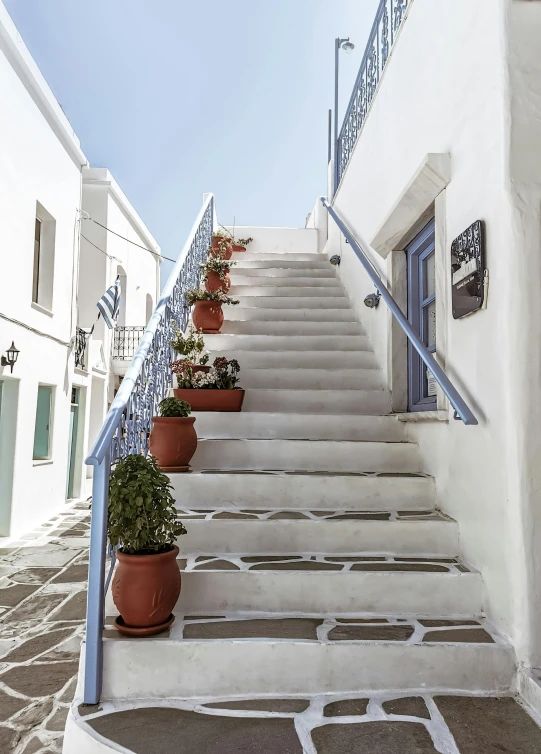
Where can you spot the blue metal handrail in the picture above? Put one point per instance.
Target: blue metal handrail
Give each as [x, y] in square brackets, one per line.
[462, 410]
[129, 421]
[389, 17]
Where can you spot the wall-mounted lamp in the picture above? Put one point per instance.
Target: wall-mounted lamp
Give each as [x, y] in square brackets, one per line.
[10, 359]
[335, 260]
[372, 300]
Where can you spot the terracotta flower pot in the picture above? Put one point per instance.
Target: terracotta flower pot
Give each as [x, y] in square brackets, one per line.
[238, 247]
[203, 399]
[145, 591]
[173, 442]
[215, 283]
[208, 316]
[200, 368]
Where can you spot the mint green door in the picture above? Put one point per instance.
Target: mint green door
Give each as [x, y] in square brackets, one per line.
[42, 432]
[72, 447]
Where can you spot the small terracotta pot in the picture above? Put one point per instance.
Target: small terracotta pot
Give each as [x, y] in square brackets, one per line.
[146, 589]
[173, 441]
[215, 283]
[208, 316]
[238, 247]
[203, 399]
[200, 368]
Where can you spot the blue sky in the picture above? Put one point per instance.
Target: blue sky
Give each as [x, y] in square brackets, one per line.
[177, 98]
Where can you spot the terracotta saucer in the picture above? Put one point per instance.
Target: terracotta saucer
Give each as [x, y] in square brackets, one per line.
[146, 631]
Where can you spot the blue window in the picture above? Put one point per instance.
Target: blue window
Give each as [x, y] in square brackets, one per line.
[421, 263]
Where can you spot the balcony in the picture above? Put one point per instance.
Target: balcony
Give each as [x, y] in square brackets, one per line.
[126, 340]
[387, 24]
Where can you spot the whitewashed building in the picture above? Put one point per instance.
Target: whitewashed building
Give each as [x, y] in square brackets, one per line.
[366, 532]
[54, 397]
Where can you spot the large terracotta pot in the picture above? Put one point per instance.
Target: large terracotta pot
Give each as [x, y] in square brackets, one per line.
[215, 283]
[145, 591]
[203, 399]
[208, 316]
[238, 247]
[173, 441]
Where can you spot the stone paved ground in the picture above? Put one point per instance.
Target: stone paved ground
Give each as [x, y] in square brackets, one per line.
[42, 609]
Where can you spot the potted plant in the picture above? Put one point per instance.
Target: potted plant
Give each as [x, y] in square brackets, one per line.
[143, 526]
[241, 243]
[216, 274]
[221, 245]
[173, 439]
[215, 391]
[207, 314]
[191, 346]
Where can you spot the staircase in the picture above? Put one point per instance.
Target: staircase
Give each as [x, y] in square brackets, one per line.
[316, 560]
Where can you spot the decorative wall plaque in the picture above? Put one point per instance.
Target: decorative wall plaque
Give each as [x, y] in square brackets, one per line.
[468, 270]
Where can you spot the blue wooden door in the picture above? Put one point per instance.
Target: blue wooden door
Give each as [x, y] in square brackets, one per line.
[421, 260]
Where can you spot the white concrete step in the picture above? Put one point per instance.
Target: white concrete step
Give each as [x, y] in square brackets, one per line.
[291, 292]
[283, 327]
[281, 531]
[287, 426]
[232, 342]
[290, 300]
[135, 668]
[362, 492]
[313, 379]
[277, 258]
[267, 281]
[283, 262]
[246, 313]
[306, 455]
[297, 359]
[373, 402]
[273, 272]
[232, 655]
[306, 591]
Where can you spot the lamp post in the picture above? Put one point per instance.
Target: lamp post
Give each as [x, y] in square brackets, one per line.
[347, 46]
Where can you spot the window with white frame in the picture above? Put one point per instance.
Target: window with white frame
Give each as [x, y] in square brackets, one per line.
[44, 248]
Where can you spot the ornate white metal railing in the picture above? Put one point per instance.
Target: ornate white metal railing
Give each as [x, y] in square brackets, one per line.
[127, 426]
[389, 18]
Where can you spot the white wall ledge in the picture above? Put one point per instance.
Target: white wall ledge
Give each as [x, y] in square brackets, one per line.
[433, 175]
[424, 416]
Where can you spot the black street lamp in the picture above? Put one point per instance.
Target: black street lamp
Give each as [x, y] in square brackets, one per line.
[12, 354]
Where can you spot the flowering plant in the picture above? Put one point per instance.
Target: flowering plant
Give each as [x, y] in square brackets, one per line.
[219, 266]
[244, 241]
[192, 345]
[223, 375]
[222, 233]
[196, 294]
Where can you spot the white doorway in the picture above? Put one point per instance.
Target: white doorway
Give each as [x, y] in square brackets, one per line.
[9, 402]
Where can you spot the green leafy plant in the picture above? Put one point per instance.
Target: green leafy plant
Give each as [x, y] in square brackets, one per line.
[142, 515]
[197, 294]
[214, 264]
[191, 345]
[244, 241]
[174, 408]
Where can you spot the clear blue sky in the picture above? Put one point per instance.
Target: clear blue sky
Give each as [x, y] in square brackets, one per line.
[180, 97]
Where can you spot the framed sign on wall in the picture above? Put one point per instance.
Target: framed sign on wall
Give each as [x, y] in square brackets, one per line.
[468, 273]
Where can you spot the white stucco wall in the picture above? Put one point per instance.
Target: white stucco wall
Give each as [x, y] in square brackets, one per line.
[40, 161]
[269, 240]
[458, 99]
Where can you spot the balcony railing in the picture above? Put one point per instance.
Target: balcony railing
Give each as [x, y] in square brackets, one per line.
[126, 342]
[81, 339]
[389, 18]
